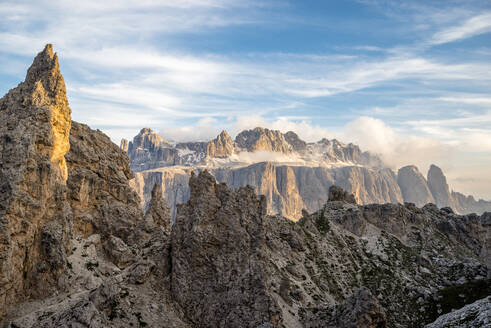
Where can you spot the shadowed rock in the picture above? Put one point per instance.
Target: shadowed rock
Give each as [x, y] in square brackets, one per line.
[360, 310]
[413, 186]
[338, 194]
[218, 275]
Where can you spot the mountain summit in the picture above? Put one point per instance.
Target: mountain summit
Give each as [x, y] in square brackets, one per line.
[76, 249]
[291, 173]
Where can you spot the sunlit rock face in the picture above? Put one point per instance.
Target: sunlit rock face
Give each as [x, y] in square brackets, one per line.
[99, 194]
[291, 173]
[77, 251]
[58, 179]
[221, 147]
[35, 217]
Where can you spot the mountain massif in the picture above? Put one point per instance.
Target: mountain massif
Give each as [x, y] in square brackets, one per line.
[76, 249]
[291, 173]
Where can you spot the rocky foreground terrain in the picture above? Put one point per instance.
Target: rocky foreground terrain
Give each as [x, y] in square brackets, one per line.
[291, 173]
[76, 250]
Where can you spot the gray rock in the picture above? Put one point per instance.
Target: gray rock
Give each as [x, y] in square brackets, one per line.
[477, 314]
[218, 274]
[360, 310]
[413, 186]
[437, 182]
[338, 194]
[34, 129]
[100, 197]
[158, 213]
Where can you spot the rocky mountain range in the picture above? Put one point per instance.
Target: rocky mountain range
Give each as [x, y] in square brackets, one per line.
[291, 173]
[77, 250]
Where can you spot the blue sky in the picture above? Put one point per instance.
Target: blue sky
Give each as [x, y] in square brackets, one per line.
[410, 80]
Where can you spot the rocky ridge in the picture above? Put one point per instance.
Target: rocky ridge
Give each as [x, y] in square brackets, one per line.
[293, 174]
[224, 262]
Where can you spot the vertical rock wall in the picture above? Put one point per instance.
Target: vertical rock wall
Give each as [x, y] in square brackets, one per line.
[35, 217]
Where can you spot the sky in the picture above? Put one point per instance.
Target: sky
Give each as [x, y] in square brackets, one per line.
[409, 80]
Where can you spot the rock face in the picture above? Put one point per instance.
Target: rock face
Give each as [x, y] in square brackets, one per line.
[413, 186]
[124, 145]
[262, 139]
[360, 310]
[216, 252]
[148, 150]
[288, 189]
[437, 182]
[158, 214]
[100, 197]
[34, 212]
[338, 194]
[291, 173]
[76, 250]
[475, 315]
[221, 147]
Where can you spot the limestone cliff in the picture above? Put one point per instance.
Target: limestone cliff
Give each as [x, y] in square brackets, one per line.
[99, 194]
[437, 182]
[158, 213]
[221, 147]
[35, 217]
[262, 139]
[217, 243]
[288, 189]
[413, 186]
[224, 262]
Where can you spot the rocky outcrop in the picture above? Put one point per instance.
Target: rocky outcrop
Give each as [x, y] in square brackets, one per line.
[297, 144]
[148, 150]
[260, 139]
[337, 194]
[124, 145]
[475, 315]
[288, 189]
[221, 147]
[225, 263]
[218, 273]
[360, 310]
[468, 204]
[437, 182]
[413, 186]
[100, 197]
[35, 218]
[389, 249]
[158, 213]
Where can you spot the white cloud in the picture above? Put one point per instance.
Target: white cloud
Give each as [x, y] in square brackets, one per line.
[471, 100]
[471, 27]
[205, 129]
[395, 149]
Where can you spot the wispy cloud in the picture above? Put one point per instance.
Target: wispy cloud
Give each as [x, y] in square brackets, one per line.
[473, 26]
[191, 68]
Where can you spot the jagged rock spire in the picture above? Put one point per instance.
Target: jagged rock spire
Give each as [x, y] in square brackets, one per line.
[35, 120]
[437, 182]
[158, 213]
[45, 78]
[222, 146]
